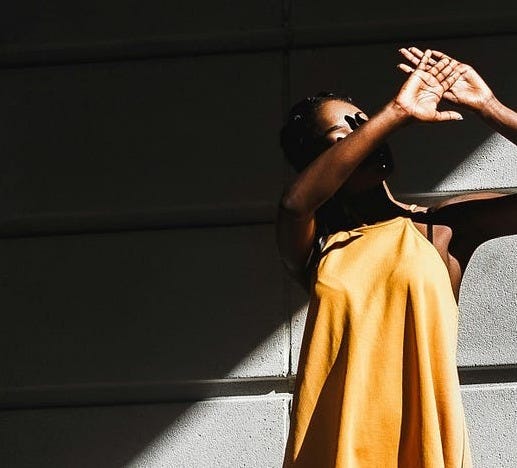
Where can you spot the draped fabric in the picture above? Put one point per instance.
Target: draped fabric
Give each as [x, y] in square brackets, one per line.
[377, 382]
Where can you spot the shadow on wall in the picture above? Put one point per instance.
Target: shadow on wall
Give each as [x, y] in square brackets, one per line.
[87, 313]
[464, 155]
[107, 318]
[425, 154]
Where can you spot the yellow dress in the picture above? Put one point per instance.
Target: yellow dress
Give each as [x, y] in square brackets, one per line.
[377, 383]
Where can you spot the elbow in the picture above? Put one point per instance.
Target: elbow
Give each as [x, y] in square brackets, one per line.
[290, 203]
[294, 205]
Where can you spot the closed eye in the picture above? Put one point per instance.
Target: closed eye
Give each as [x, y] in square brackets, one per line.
[333, 128]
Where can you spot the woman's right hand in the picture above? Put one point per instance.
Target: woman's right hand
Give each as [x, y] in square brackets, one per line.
[421, 93]
[470, 90]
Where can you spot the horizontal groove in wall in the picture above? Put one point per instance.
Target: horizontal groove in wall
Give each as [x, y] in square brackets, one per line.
[230, 214]
[487, 374]
[396, 30]
[431, 198]
[126, 393]
[260, 40]
[46, 224]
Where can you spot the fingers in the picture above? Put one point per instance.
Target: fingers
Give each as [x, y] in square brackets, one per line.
[410, 56]
[447, 115]
[442, 69]
[450, 80]
[450, 97]
[422, 65]
[446, 70]
[418, 53]
[414, 55]
[439, 55]
[405, 68]
[415, 59]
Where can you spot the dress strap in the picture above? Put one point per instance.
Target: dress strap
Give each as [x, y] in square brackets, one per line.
[430, 232]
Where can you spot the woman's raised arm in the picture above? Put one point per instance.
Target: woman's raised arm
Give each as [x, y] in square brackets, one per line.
[296, 224]
[501, 118]
[471, 92]
[417, 100]
[475, 217]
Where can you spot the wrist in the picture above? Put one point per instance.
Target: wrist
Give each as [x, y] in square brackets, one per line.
[397, 114]
[488, 107]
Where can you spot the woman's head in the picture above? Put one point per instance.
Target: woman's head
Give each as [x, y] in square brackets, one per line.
[303, 136]
[315, 124]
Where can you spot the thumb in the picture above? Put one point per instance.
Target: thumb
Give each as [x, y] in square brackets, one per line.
[447, 115]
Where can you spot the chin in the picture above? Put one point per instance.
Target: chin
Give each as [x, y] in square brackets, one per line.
[372, 172]
[363, 182]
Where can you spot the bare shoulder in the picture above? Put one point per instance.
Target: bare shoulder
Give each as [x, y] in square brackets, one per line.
[467, 197]
[476, 218]
[485, 210]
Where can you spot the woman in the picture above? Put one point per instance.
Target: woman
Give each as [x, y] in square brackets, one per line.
[377, 384]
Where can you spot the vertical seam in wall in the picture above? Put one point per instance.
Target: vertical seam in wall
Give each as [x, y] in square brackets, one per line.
[285, 105]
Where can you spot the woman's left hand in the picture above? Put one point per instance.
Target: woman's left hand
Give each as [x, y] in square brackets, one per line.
[470, 90]
[425, 87]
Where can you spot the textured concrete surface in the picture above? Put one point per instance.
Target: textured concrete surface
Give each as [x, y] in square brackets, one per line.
[334, 15]
[142, 306]
[44, 25]
[223, 433]
[488, 303]
[464, 149]
[492, 164]
[298, 307]
[141, 136]
[491, 412]
[193, 134]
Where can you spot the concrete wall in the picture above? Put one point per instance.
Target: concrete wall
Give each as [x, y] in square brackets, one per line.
[146, 319]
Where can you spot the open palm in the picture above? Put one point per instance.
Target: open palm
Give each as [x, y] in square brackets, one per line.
[425, 87]
[468, 90]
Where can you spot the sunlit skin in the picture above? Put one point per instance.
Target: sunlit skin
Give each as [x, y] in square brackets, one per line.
[469, 91]
[333, 121]
[344, 170]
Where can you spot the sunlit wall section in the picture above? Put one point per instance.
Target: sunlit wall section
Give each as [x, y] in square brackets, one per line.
[147, 320]
[434, 162]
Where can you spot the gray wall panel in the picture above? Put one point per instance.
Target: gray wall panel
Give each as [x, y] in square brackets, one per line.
[488, 304]
[42, 24]
[141, 136]
[100, 141]
[446, 156]
[141, 307]
[333, 12]
[491, 413]
[220, 433]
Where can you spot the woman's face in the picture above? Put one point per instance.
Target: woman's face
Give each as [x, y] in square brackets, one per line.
[336, 120]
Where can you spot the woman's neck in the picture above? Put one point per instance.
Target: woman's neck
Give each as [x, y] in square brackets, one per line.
[373, 205]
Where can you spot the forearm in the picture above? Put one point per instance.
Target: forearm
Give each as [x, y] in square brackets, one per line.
[329, 171]
[500, 118]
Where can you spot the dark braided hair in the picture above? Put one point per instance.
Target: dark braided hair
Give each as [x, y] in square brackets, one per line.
[302, 142]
